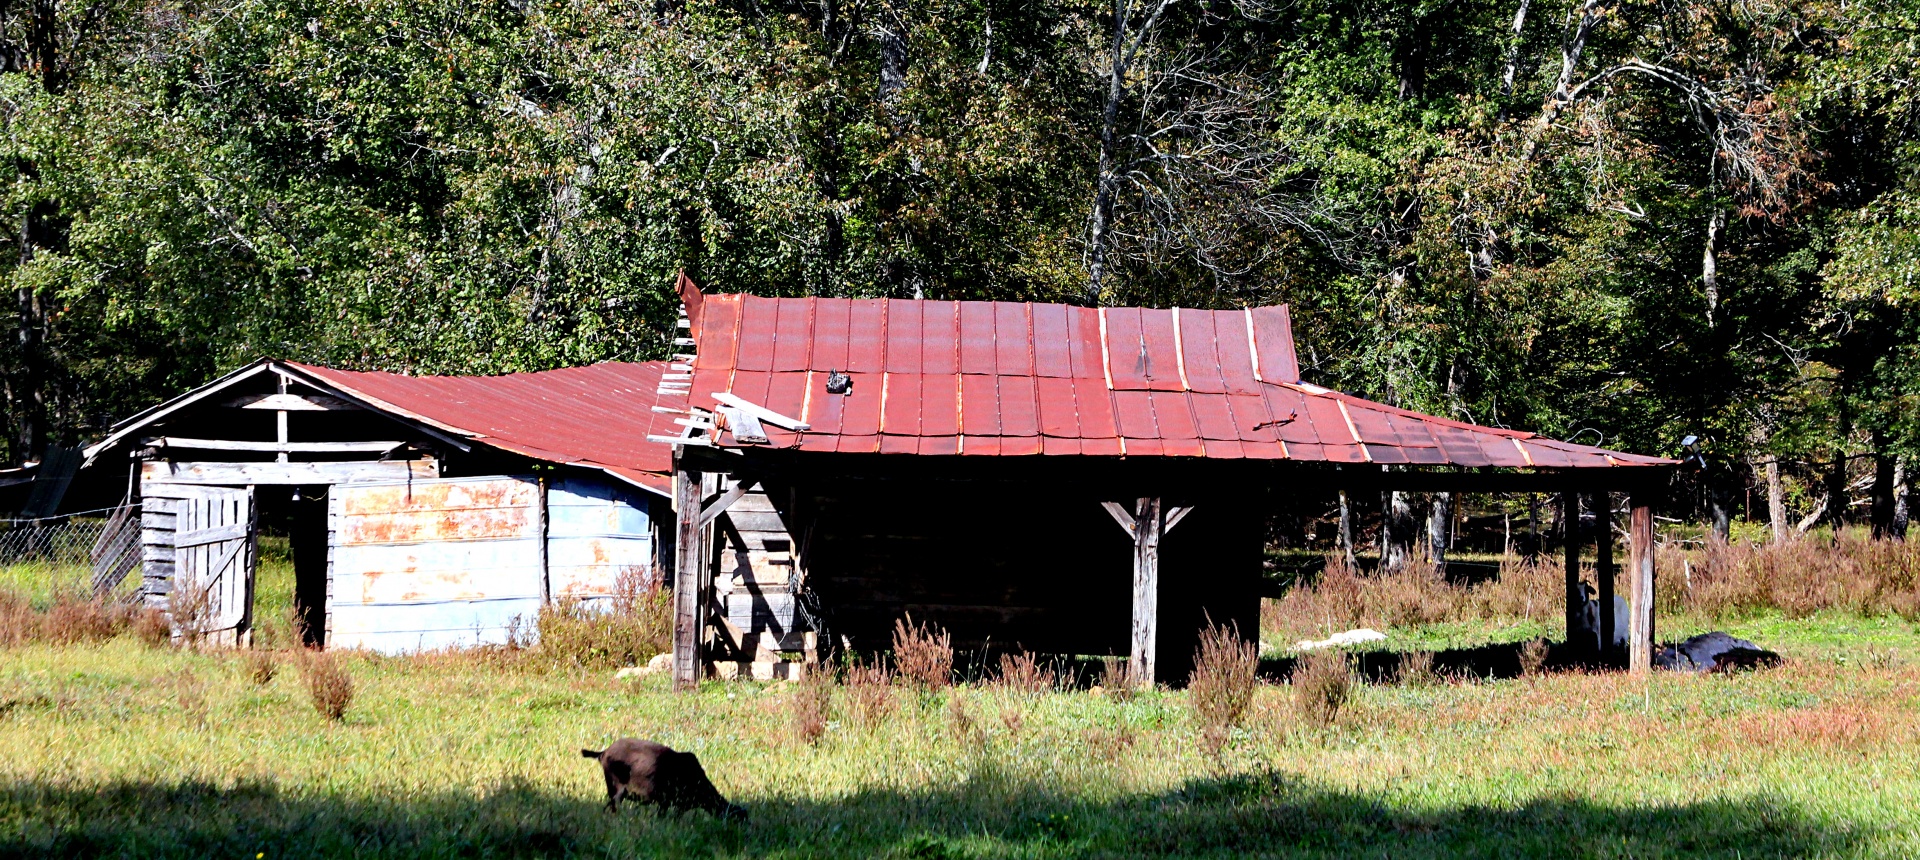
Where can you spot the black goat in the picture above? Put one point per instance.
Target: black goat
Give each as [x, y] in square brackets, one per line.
[653, 773]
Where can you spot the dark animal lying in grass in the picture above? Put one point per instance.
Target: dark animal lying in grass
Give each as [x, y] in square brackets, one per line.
[652, 773]
[1715, 652]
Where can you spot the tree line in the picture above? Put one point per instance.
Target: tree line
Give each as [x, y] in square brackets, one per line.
[1621, 222]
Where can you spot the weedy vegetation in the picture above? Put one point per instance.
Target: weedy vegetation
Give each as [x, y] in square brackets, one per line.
[115, 747]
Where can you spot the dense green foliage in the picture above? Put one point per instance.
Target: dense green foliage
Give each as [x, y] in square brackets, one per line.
[1512, 225]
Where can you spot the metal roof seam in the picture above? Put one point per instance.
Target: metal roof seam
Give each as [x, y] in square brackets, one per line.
[1180, 353]
[1524, 455]
[1364, 452]
[1106, 360]
[1253, 347]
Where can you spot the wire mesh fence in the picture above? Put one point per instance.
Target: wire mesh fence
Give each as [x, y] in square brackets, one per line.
[93, 550]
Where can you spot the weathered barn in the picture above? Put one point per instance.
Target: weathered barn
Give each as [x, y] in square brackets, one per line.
[1056, 478]
[424, 512]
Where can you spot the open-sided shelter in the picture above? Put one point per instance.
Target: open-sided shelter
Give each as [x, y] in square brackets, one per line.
[1056, 478]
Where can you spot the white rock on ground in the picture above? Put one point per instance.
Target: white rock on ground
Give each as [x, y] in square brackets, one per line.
[659, 663]
[1341, 640]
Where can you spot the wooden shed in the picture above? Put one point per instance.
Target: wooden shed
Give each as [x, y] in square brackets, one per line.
[424, 512]
[1055, 478]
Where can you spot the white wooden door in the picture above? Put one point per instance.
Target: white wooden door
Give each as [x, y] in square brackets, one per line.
[214, 560]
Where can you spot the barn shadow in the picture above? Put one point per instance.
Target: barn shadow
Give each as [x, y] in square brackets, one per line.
[1260, 814]
[1484, 662]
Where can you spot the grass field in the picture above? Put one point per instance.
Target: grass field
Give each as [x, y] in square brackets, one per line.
[121, 750]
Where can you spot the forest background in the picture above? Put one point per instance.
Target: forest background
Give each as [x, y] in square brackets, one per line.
[1621, 222]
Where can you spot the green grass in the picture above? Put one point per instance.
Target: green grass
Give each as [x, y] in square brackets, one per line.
[43, 583]
[103, 753]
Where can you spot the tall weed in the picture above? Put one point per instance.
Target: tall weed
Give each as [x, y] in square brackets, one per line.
[1021, 673]
[1225, 674]
[329, 686]
[1322, 683]
[809, 707]
[922, 654]
[869, 694]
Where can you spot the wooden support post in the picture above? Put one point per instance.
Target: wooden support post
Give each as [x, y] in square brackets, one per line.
[1570, 532]
[1146, 590]
[1603, 568]
[689, 564]
[280, 424]
[1640, 578]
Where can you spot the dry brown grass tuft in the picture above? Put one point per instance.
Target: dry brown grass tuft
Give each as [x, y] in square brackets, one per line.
[328, 685]
[1533, 656]
[261, 666]
[73, 619]
[809, 707]
[869, 692]
[1846, 726]
[1851, 573]
[1322, 683]
[1021, 673]
[922, 654]
[19, 624]
[1113, 679]
[1415, 669]
[191, 693]
[960, 721]
[189, 611]
[150, 626]
[1225, 674]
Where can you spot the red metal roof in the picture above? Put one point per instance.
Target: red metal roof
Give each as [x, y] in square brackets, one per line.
[596, 416]
[1007, 378]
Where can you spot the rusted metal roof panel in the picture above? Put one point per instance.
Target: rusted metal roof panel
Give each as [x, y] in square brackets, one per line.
[1003, 378]
[1199, 357]
[596, 416]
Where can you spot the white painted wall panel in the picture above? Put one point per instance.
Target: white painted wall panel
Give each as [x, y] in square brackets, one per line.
[430, 564]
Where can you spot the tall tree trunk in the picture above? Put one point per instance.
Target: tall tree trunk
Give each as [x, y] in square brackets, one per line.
[1709, 266]
[1535, 546]
[1777, 503]
[1900, 498]
[1346, 529]
[1880, 513]
[1396, 532]
[1591, 11]
[1126, 46]
[1719, 510]
[1439, 527]
[28, 387]
[1512, 65]
[1105, 183]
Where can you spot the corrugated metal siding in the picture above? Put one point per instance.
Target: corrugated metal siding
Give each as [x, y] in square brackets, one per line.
[594, 531]
[432, 564]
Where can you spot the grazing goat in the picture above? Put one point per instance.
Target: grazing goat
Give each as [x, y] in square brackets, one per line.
[652, 773]
[1590, 619]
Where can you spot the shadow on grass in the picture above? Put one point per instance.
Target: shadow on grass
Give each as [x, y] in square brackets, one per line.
[1250, 815]
[1483, 662]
